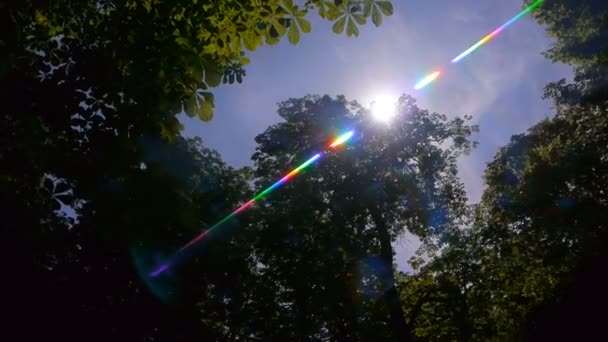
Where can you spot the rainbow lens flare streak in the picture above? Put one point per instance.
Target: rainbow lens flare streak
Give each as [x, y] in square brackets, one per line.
[433, 76]
[428, 79]
[337, 142]
[342, 139]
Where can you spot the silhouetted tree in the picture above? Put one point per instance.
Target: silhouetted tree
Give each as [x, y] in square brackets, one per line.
[547, 193]
[325, 240]
[90, 93]
[580, 32]
[529, 264]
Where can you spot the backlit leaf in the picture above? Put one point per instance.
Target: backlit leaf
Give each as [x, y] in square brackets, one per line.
[359, 18]
[339, 25]
[205, 110]
[213, 77]
[352, 29]
[304, 25]
[376, 17]
[294, 34]
[367, 9]
[386, 7]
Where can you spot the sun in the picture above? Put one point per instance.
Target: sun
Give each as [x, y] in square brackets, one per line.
[383, 108]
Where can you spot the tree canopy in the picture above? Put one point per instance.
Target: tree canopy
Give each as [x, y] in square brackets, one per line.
[326, 239]
[162, 55]
[97, 187]
[91, 153]
[580, 33]
[529, 264]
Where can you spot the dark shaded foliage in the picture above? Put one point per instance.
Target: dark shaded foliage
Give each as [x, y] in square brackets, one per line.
[326, 238]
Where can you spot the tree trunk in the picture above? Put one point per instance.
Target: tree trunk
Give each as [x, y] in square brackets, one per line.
[401, 332]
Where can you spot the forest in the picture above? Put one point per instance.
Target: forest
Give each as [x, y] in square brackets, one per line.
[98, 186]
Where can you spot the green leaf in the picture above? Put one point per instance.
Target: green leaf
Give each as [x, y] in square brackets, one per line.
[200, 105]
[205, 111]
[190, 106]
[322, 11]
[278, 28]
[213, 77]
[304, 25]
[41, 18]
[289, 6]
[196, 69]
[210, 49]
[330, 5]
[250, 41]
[294, 34]
[333, 12]
[386, 7]
[207, 96]
[376, 17]
[352, 29]
[339, 25]
[237, 43]
[183, 42]
[334, 15]
[360, 19]
[169, 132]
[271, 41]
[147, 5]
[367, 9]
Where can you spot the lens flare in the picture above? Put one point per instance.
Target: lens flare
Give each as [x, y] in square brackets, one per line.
[342, 139]
[167, 265]
[496, 32]
[435, 75]
[427, 80]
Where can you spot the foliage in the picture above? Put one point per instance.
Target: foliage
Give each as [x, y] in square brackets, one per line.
[90, 96]
[549, 190]
[579, 28]
[580, 32]
[529, 265]
[167, 51]
[536, 240]
[325, 240]
[91, 92]
[81, 279]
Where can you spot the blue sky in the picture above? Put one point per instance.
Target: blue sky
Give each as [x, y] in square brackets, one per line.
[500, 85]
